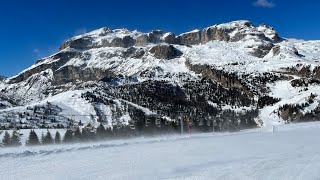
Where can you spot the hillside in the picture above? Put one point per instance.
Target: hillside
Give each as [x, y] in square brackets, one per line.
[224, 77]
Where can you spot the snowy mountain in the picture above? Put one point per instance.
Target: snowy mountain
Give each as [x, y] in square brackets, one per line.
[227, 77]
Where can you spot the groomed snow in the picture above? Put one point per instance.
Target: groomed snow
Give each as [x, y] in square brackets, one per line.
[283, 152]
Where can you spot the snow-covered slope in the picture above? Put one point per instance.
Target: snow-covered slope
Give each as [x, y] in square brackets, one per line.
[287, 152]
[233, 75]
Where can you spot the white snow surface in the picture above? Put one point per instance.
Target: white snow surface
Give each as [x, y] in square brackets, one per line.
[282, 152]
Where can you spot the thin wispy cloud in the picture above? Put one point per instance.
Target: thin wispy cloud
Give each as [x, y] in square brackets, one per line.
[264, 3]
[36, 51]
[41, 53]
[80, 31]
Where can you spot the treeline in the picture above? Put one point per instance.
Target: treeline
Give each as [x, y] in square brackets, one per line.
[139, 126]
[14, 139]
[75, 135]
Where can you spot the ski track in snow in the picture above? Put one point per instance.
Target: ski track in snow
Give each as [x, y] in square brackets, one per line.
[284, 152]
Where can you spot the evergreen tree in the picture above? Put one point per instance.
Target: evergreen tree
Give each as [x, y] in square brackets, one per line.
[68, 137]
[101, 132]
[109, 133]
[6, 140]
[85, 135]
[15, 139]
[47, 138]
[57, 138]
[77, 135]
[33, 139]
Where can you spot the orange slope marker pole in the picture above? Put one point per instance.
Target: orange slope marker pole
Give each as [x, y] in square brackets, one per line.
[188, 124]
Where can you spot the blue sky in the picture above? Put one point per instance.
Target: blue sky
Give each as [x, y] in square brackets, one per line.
[33, 29]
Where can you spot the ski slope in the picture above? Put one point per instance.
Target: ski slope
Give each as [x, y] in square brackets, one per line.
[283, 152]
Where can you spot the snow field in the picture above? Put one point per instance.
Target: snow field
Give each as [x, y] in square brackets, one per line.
[287, 152]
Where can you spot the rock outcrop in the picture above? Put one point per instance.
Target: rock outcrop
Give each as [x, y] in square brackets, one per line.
[76, 75]
[316, 72]
[124, 42]
[170, 38]
[261, 50]
[276, 50]
[153, 37]
[80, 43]
[164, 51]
[214, 33]
[230, 32]
[190, 38]
[58, 60]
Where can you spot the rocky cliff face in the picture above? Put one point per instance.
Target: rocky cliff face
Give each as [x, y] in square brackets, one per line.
[126, 42]
[224, 77]
[165, 52]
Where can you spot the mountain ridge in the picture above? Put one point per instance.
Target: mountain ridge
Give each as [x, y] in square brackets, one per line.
[225, 76]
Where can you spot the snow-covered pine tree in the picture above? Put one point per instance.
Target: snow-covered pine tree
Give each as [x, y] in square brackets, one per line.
[47, 138]
[68, 136]
[77, 135]
[6, 139]
[85, 135]
[101, 131]
[57, 138]
[33, 139]
[15, 139]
